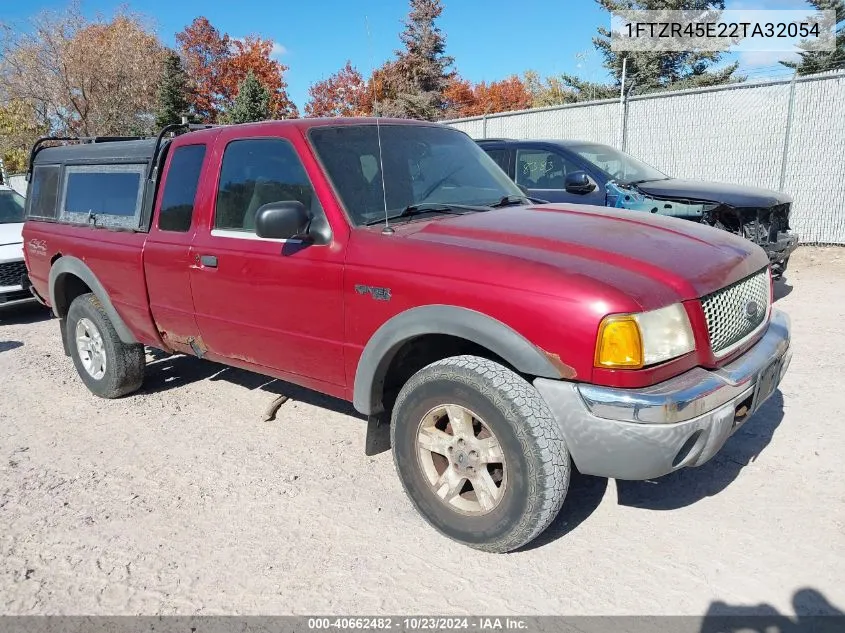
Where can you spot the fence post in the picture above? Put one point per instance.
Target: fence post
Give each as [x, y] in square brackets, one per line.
[622, 107]
[484, 126]
[788, 132]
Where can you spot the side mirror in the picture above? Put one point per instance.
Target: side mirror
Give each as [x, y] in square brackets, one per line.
[578, 182]
[284, 220]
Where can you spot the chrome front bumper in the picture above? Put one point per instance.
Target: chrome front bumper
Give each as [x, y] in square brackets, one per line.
[646, 433]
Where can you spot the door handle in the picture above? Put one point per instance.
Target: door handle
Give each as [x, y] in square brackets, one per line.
[208, 261]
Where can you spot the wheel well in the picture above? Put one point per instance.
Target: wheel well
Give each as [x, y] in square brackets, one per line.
[418, 352]
[68, 287]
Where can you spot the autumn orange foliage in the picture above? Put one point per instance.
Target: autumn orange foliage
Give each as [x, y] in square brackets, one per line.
[342, 94]
[253, 53]
[465, 99]
[203, 51]
[218, 63]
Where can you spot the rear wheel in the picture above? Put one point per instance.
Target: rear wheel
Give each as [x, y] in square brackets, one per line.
[109, 367]
[479, 453]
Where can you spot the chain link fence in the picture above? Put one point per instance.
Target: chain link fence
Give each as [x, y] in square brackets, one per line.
[787, 135]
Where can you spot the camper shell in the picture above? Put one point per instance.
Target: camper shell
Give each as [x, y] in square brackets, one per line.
[105, 181]
[98, 182]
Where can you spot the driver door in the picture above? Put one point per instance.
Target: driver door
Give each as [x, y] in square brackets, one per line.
[267, 303]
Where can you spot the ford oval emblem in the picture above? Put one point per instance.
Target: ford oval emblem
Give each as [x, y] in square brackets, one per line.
[751, 310]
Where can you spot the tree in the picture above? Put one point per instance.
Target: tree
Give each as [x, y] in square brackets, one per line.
[648, 71]
[460, 98]
[341, 94]
[380, 87]
[19, 128]
[204, 51]
[503, 96]
[548, 91]
[218, 63]
[416, 80]
[464, 99]
[80, 77]
[253, 54]
[821, 61]
[252, 102]
[172, 92]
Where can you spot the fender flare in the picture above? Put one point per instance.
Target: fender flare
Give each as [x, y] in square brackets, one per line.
[68, 265]
[463, 323]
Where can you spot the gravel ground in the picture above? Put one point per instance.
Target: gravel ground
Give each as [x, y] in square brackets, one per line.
[180, 499]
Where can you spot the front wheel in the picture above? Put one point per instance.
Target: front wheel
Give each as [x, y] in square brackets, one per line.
[479, 453]
[109, 367]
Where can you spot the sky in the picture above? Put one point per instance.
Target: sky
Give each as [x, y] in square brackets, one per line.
[489, 39]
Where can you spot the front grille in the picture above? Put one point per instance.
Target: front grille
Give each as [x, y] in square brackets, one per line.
[729, 315]
[11, 273]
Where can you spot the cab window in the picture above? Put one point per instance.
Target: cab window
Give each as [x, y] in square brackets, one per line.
[500, 156]
[542, 169]
[180, 188]
[44, 191]
[256, 172]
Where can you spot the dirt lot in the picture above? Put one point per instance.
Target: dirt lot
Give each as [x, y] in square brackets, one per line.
[180, 499]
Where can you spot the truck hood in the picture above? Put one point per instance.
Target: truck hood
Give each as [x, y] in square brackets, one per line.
[652, 259]
[11, 233]
[726, 193]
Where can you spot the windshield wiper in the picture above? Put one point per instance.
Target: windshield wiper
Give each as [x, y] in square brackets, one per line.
[429, 207]
[509, 201]
[636, 182]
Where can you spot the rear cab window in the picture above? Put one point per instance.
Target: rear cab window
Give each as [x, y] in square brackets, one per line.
[180, 188]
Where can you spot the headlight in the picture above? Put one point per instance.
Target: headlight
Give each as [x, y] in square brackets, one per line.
[632, 341]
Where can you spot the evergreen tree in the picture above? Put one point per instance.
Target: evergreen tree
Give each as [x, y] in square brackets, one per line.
[649, 71]
[420, 74]
[252, 102]
[822, 61]
[172, 100]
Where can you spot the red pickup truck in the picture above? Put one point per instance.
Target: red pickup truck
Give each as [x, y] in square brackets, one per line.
[393, 264]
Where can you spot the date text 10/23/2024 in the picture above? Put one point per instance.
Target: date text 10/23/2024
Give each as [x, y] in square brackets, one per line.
[418, 623]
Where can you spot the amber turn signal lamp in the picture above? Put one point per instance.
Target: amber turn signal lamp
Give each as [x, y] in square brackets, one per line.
[619, 344]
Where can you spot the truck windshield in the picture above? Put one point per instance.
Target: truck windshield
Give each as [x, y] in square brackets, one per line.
[421, 164]
[618, 165]
[11, 207]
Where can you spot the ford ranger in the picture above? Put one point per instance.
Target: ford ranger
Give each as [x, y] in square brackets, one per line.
[395, 265]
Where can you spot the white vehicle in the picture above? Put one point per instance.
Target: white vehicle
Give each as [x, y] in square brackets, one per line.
[12, 266]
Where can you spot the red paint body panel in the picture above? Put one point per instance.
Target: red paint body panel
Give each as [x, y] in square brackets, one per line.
[168, 258]
[272, 304]
[550, 272]
[116, 257]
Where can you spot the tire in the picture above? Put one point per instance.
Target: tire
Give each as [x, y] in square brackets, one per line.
[88, 325]
[531, 480]
[779, 269]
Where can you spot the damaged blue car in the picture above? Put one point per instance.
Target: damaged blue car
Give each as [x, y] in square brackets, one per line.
[592, 173]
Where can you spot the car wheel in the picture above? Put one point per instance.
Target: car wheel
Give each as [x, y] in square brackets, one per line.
[109, 367]
[479, 453]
